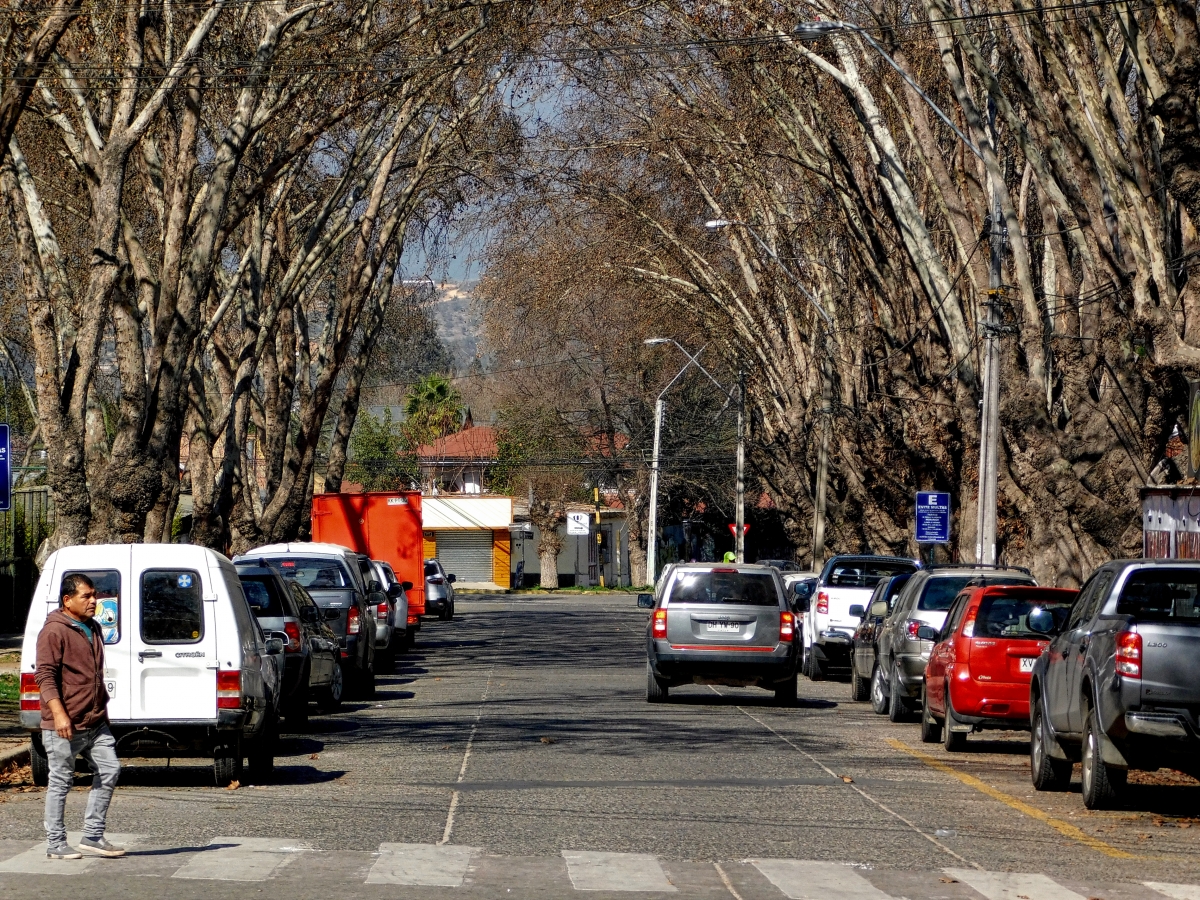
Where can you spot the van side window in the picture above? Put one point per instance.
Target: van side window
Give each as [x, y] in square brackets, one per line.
[108, 600]
[172, 607]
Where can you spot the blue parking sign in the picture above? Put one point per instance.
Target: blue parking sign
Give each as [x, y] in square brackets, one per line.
[5, 469]
[933, 517]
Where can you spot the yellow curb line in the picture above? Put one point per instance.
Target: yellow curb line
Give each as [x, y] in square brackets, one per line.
[1063, 828]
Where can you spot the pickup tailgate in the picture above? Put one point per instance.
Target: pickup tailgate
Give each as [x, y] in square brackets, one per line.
[840, 599]
[1170, 660]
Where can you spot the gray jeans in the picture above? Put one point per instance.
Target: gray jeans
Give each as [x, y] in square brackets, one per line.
[100, 750]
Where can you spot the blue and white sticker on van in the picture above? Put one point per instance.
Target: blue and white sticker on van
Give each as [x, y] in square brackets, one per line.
[106, 615]
[184, 580]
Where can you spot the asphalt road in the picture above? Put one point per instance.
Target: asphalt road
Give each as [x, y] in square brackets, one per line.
[513, 754]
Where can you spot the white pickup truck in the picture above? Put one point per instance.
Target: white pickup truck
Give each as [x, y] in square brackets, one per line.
[846, 582]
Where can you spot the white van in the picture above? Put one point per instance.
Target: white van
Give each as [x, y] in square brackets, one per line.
[188, 670]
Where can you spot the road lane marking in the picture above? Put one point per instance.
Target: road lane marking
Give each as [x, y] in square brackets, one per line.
[429, 865]
[1175, 891]
[1064, 828]
[802, 879]
[1013, 885]
[615, 872]
[34, 862]
[854, 787]
[725, 881]
[241, 859]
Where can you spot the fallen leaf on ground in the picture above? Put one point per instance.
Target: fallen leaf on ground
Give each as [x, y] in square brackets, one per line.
[233, 786]
[946, 879]
[315, 756]
[548, 740]
[847, 779]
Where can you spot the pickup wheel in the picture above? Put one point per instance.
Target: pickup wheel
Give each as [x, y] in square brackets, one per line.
[860, 688]
[897, 704]
[1048, 774]
[879, 694]
[1101, 783]
[227, 763]
[816, 668]
[656, 691]
[931, 728]
[953, 741]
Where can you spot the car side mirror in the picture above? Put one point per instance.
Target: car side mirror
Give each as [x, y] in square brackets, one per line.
[274, 646]
[374, 587]
[645, 601]
[332, 615]
[879, 609]
[1041, 621]
[407, 585]
[927, 633]
[858, 611]
[451, 579]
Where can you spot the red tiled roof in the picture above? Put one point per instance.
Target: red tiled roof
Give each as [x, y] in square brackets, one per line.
[477, 443]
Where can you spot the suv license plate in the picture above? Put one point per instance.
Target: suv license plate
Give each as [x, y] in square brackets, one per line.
[724, 626]
[1027, 663]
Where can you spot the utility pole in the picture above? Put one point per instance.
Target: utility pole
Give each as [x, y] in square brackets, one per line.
[819, 504]
[652, 537]
[740, 514]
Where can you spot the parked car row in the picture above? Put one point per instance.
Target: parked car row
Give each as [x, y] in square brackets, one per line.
[205, 656]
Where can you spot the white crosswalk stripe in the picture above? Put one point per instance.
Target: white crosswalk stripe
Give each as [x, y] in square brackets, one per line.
[34, 862]
[241, 859]
[615, 872]
[800, 879]
[1013, 885]
[1175, 891]
[422, 864]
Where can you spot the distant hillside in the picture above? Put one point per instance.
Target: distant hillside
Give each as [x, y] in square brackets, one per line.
[459, 325]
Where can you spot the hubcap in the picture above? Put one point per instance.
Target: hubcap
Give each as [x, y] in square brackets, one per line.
[335, 687]
[877, 688]
[1036, 741]
[1088, 762]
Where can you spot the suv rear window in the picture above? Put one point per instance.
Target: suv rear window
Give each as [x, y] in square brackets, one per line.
[1008, 617]
[172, 607]
[1162, 595]
[263, 597]
[724, 587]
[315, 573]
[939, 593]
[865, 573]
[431, 570]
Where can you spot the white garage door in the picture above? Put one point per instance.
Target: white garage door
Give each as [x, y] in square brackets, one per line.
[466, 554]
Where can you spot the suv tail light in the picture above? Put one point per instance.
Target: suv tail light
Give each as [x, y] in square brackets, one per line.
[436, 579]
[292, 630]
[787, 626]
[660, 623]
[229, 689]
[352, 622]
[968, 629]
[1129, 654]
[910, 629]
[381, 612]
[823, 603]
[31, 694]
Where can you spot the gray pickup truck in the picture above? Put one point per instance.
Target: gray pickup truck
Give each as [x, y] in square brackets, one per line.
[1117, 688]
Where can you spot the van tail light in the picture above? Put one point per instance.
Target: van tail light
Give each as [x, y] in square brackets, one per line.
[31, 694]
[823, 603]
[381, 612]
[787, 627]
[352, 621]
[911, 627]
[968, 629]
[229, 689]
[292, 630]
[660, 623]
[1129, 654]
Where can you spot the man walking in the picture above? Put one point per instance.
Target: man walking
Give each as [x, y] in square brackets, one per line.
[70, 676]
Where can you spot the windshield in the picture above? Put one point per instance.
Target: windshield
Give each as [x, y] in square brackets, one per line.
[264, 601]
[1162, 595]
[1008, 617]
[724, 587]
[316, 574]
[866, 573]
[939, 593]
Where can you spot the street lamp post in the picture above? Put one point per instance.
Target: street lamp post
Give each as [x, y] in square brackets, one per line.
[989, 429]
[659, 408]
[821, 492]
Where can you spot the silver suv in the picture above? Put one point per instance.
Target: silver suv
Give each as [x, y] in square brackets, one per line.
[925, 600]
[720, 624]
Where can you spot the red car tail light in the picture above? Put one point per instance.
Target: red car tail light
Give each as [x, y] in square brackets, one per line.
[1129, 654]
[413, 619]
[787, 627]
[726, 571]
[352, 621]
[968, 629]
[292, 630]
[229, 689]
[381, 612]
[31, 694]
[911, 627]
[823, 603]
[660, 623]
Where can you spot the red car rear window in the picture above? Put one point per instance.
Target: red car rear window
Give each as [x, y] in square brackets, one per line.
[1008, 617]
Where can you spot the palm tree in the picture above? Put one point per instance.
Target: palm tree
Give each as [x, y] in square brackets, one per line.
[433, 409]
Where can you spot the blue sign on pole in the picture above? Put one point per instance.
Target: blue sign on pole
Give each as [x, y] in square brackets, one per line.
[5, 469]
[933, 517]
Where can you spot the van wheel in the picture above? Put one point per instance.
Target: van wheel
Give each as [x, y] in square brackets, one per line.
[953, 741]
[897, 704]
[1048, 774]
[879, 694]
[931, 728]
[860, 688]
[331, 697]
[785, 692]
[656, 691]
[1101, 782]
[227, 764]
[39, 763]
[816, 668]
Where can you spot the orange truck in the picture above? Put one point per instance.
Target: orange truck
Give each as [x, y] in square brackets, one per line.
[385, 525]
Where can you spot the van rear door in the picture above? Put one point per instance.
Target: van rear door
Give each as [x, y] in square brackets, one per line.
[173, 635]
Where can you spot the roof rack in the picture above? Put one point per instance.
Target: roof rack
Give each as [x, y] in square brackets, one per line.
[931, 566]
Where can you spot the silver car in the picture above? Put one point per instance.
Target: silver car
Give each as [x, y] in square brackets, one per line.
[925, 599]
[716, 623]
[439, 590]
[391, 621]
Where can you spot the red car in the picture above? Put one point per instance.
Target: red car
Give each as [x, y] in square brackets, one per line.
[978, 672]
